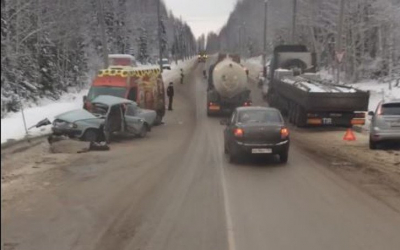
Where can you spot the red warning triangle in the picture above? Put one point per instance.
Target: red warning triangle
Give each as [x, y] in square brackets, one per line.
[349, 136]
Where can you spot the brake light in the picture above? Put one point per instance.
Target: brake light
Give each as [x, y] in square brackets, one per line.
[238, 132]
[284, 133]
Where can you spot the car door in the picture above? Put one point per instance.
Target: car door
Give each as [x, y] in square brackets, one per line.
[134, 123]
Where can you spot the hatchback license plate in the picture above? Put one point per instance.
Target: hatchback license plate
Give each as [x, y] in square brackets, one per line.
[261, 151]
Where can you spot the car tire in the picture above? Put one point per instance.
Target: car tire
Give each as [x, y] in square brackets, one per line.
[372, 145]
[91, 135]
[232, 157]
[143, 131]
[226, 151]
[284, 157]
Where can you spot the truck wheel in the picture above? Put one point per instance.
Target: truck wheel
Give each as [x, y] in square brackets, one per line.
[300, 117]
[91, 135]
[291, 113]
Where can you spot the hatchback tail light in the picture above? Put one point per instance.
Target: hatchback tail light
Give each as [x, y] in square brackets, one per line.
[238, 132]
[284, 133]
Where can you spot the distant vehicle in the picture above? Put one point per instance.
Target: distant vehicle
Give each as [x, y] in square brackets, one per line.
[111, 115]
[227, 86]
[121, 60]
[202, 57]
[385, 124]
[260, 79]
[255, 131]
[307, 100]
[143, 85]
[166, 64]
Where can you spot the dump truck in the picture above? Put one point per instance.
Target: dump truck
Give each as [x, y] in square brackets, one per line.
[227, 86]
[296, 89]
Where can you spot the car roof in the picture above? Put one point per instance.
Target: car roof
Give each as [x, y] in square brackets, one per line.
[112, 100]
[256, 108]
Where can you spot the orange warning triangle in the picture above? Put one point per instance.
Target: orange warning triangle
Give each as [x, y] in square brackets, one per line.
[349, 136]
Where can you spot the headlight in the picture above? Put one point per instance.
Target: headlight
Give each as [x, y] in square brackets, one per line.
[72, 125]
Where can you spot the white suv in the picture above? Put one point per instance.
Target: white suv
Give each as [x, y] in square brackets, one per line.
[385, 124]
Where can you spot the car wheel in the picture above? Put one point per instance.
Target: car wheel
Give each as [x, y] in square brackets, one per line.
[372, 145]
[232, 157]
[91, 135]
[283, 157]
[143, 131]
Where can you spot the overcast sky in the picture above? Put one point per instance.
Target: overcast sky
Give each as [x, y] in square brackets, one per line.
[203, 16]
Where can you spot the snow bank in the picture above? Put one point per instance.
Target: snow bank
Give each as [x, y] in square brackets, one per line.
[12, 126]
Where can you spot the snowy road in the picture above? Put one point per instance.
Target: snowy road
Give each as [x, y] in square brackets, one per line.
[176, 191]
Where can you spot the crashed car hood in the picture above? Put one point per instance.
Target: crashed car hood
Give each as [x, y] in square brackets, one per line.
[76, 115]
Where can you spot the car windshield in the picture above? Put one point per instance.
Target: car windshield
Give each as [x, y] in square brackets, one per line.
[259, 116]
[99, 109]
[391, 109]
[113, 91]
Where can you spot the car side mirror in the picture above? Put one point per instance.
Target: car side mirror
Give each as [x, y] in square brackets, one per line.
[224, 122]
[371, 113]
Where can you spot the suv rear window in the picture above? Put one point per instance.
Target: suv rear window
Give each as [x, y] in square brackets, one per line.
[391, 109]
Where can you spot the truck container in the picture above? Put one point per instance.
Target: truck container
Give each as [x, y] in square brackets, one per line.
[305, 98]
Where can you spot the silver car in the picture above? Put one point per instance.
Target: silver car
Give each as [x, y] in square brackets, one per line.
[109, 115]
[385, 123]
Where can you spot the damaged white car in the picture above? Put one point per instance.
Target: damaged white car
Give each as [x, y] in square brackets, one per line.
[109, 115]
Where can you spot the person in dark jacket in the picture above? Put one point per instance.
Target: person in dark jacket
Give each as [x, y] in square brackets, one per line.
[170, 94]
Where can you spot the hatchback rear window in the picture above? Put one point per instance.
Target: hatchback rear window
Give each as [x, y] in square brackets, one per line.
[390, 109]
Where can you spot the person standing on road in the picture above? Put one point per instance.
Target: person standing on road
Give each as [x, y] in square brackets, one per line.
[170, 94]
[182, 76]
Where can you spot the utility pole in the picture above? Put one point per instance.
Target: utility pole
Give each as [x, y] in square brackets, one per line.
[294, 21]
[18, 78]
[339, 53]
[103, 32]
[159, 34]
[264, 55]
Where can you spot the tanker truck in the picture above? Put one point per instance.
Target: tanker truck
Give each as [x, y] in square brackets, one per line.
[227, 86]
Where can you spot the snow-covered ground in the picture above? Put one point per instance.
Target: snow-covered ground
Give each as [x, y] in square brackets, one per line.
[12, 126]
